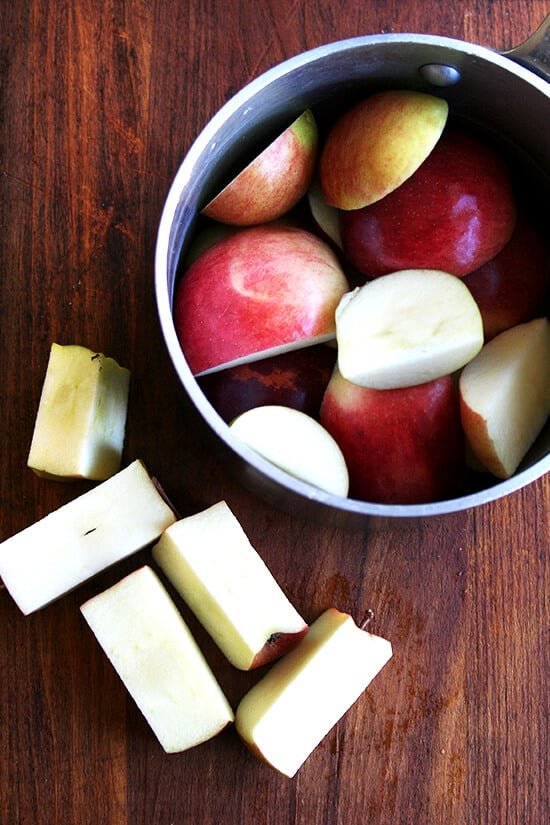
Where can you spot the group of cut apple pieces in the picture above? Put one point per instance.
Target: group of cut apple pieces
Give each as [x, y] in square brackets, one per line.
[434, 367]
[207, 557]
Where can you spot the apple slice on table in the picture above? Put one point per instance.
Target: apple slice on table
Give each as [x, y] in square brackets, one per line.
[407, 328]
[455, 213]
[377, 144]
[274, 181]
[291, 709]
[505, 396]
[80, 539]
[81, 419]
[262, 291]
[296, 443]
[152, 649]
[212, 564]
[401, 446]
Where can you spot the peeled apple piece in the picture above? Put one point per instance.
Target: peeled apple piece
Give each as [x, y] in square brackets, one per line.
[407, 328]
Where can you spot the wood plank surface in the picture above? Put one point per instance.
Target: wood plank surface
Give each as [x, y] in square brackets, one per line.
[99, 102]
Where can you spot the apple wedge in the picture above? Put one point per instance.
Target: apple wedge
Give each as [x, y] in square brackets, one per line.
[274, 181]
[152, 649]
[295, 442]
[290, 710]
[505, 396]
[377, 144]
[407, 328]
[81, 419]
[259, 292]
[70, 545]
[212, 564]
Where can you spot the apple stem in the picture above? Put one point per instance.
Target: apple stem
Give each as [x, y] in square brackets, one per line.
[367, 619]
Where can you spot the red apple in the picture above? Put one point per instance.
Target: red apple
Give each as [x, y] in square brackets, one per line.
[401, 446]
[295, 379]
[509, 289]
[259, 292]
[455, 213]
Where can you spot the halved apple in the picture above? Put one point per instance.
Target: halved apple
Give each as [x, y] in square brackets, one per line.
[505, 396]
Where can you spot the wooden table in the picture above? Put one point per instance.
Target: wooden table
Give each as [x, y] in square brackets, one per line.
[100, 102]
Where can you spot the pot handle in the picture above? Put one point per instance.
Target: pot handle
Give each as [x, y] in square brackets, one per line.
[534, 53]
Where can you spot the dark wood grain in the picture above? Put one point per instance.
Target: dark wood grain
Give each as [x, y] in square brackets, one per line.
[99, 103]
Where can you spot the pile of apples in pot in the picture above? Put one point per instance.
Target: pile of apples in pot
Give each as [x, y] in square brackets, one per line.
[391, 338]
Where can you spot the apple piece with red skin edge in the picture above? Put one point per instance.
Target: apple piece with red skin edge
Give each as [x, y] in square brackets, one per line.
[377, 144]
[509, 289]
[402, 446]
[212, 564]
[272, 183]
[455, 213]
[295, 379]
[259, 292]
[297, 443]
[505, 396]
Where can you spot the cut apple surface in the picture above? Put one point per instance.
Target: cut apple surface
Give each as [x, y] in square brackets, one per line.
[212, 564]
[152, 649]
[296, 443]
[70, 545]
[505, 396]
[81, 419]
[406, 328]
[261, 291]
[325, 216]
[378, 144]
[274, 181]
[290, 710]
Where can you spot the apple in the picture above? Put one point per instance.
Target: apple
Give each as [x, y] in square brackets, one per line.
[152, 650]
[285, 715]
[293, 379]
[81, 419]
[406, 328]
[377, 144]
[325, 216]
[80, 539]
[402, 446]
[296, 443]
[505, 396]
[274, 181]
[213, 566]
[455, 213]
[261, 291]
[509, 288]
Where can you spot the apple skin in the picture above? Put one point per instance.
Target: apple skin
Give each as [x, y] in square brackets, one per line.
[278, 645]
[274, 181]
[261, 290]
[295, 379]
[455, 213]
[510, 288]
[402, 446]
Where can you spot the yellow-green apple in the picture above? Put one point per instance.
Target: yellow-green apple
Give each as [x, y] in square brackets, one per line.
[377, 144]
[274, 181]
[214, 567]
[510, 288]
[81, 419]
[295, 442]
[261, 291]
[293, 379]
[285, 716]
[455, 213]
[407, 328]
[505, 396]
[75, 542]
[325, 216]
[152, 650]
[402, 446]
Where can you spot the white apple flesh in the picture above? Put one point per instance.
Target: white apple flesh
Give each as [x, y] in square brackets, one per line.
[407, 328]
[290, 710]
[214, 567]
[505, 396]
[152, 649]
